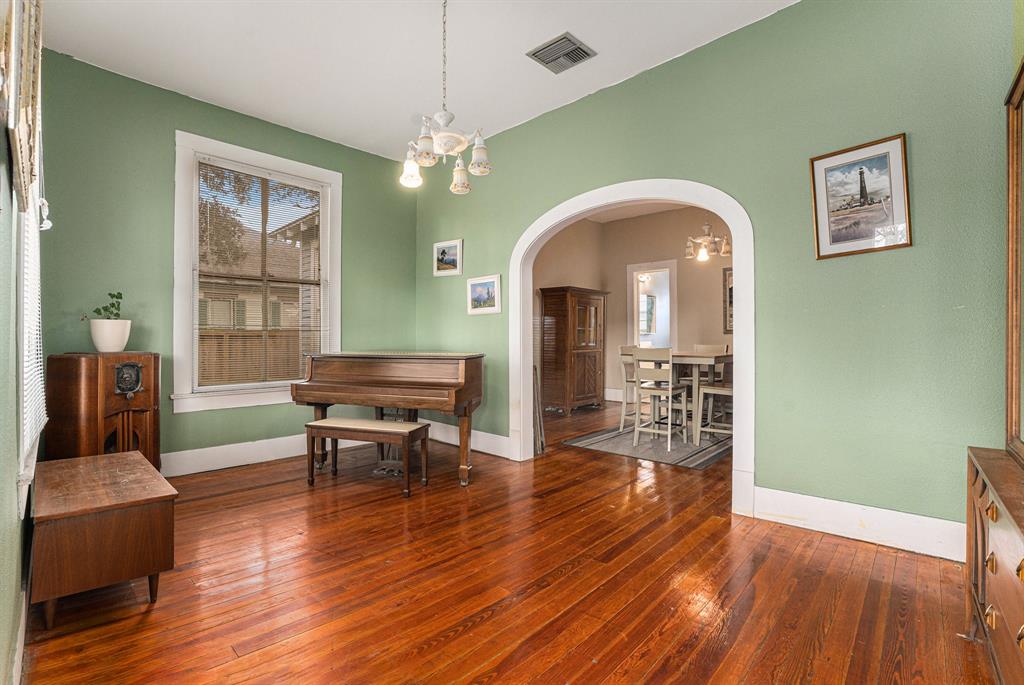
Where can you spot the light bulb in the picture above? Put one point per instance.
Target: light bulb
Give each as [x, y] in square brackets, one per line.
[460, 179]
[425, 147]
[702, 254]
[410, 177]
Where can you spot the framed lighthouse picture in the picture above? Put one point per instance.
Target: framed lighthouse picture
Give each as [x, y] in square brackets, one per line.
[860, 197]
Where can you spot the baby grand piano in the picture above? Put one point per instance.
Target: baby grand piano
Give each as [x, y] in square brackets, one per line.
[443, 381]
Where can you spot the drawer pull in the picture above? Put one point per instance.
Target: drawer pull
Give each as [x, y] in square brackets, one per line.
[1020, 570]
[990, 562]
[992, 511]
[990, 616]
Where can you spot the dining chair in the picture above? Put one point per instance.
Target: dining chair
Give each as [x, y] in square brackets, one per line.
[628, 362]
[709, 391]
[709, 350]
[655, 380]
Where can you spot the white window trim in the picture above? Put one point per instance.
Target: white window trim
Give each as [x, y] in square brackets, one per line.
[188, 147]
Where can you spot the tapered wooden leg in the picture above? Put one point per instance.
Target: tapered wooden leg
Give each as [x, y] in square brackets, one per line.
[423, 461]
[334, 456]
[154, 585]
[320, 412]
[49, 611]
[310, 449]
[405, 466]
[465, 431]
[378, 413]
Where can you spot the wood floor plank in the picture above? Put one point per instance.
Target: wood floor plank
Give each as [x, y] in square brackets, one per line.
[577, 567]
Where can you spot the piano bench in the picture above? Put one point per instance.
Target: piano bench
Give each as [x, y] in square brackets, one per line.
[403, 434]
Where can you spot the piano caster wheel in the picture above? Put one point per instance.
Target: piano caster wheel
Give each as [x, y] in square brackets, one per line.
[423, 481]
[321, 465]
[464, 483]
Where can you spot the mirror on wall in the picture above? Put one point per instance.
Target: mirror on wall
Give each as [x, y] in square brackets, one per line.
[1015, 268]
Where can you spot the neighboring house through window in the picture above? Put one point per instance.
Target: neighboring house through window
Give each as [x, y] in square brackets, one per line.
[257, 255]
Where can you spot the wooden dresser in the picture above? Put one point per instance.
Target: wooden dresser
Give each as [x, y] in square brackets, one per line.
[994, 566]
[101, 403]
[572, 347]
[995, 556]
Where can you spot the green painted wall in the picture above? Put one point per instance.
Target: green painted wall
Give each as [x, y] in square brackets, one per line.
[109, 144]
[1018, 29]
[11, 595]
[874, 372]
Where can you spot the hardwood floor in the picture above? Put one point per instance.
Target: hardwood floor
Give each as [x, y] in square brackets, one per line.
[575, 567]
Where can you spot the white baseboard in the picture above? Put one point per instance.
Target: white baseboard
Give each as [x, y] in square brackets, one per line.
[236, 454]
[613, 394]
[19, 642]
[923, 534]
[498, 445]
[241, 453]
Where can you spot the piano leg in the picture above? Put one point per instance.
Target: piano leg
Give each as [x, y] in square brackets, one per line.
[320, 412]
[378, 413]
[465, 430]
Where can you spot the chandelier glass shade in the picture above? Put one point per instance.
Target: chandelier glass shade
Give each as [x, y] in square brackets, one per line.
[438, 139]
[703, 247]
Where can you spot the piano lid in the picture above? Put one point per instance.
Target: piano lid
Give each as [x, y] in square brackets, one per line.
[384, 354]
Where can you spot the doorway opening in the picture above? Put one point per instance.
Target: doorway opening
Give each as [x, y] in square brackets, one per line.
[522, 302]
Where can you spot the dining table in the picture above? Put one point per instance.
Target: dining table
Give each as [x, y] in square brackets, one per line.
[695, 361]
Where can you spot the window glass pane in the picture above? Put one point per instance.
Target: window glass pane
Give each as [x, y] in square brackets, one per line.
[230, 216]
[259, 278]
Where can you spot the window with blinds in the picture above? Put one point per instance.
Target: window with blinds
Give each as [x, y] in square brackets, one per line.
[33, 397]
[257, 286]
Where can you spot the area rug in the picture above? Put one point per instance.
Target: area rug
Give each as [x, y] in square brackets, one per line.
[711, 449]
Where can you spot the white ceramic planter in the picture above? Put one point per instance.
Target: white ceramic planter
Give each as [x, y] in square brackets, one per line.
[110, 335]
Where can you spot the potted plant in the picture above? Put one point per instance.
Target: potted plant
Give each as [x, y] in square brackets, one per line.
[109, 331]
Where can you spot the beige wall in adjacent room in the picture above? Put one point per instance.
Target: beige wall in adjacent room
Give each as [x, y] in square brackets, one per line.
[571, 257]
[593, 255]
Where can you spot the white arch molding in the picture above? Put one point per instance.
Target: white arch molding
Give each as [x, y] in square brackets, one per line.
[520, 328]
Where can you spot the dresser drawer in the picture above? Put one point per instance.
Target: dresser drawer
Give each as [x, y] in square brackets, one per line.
[1005, 632]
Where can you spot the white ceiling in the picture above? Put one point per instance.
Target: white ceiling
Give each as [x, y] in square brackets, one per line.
[361, 72]
[631, 211]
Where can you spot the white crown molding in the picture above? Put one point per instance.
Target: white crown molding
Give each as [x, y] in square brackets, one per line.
[913, 532]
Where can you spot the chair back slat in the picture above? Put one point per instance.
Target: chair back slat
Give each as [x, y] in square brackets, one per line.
[628, 361]
[711, 349]
[653, 364]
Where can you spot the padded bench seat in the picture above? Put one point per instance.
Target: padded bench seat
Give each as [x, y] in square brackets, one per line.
[400, 433]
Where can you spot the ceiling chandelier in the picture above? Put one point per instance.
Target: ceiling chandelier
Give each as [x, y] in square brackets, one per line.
[704, 246]
[439, 139]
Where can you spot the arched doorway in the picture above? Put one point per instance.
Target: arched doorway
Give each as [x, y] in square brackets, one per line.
[520, 328]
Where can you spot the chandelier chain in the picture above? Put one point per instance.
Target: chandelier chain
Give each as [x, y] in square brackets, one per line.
[444, 56]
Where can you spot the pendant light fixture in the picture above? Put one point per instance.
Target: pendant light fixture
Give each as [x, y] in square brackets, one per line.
[438, 139]
[703, 247]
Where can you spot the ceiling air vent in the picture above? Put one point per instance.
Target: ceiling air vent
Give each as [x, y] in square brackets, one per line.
[561, 53]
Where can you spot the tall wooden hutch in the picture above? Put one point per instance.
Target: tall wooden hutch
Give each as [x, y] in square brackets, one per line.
[995, 477]
[572, 347]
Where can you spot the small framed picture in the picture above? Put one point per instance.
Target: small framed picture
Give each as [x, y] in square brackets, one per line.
[483, 295]
[860, 197]
[448, 258]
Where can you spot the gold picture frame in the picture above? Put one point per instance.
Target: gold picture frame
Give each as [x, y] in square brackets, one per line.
[860, 198]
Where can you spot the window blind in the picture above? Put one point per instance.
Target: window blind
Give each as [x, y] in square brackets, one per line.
[257, 286]
[33, 397]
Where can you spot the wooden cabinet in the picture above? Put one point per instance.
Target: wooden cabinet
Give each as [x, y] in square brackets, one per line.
[572, 347]
[995, 556]
[99, 521]
[102, 403]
